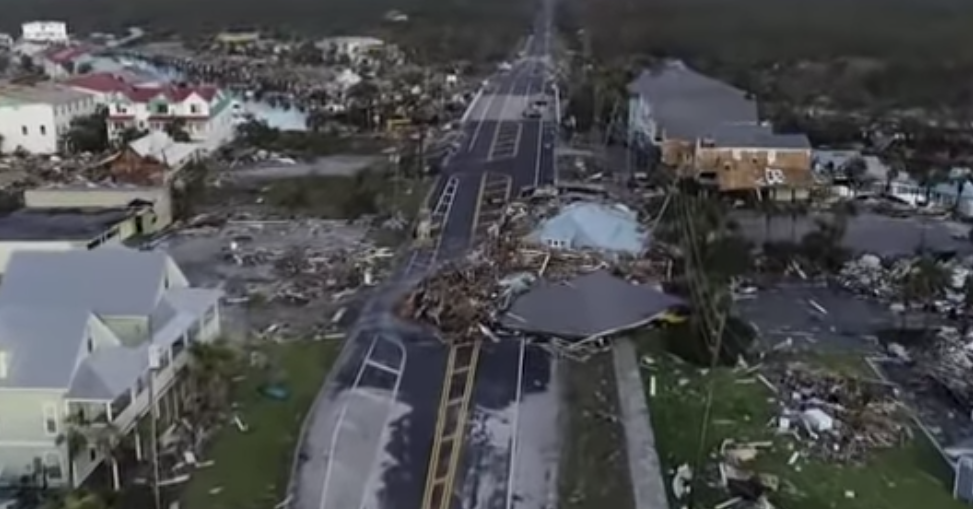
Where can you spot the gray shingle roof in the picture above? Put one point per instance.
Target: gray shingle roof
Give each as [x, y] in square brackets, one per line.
[42, 347]
[46, 302]
[587, 305]
[687, 104]
[755, 136]
[106, 281]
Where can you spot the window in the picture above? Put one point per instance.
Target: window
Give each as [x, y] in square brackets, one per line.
[162, 109]
[52, 466]
[91, 345]
[178, 346]
[118, 126]
[194, 108]
[140, 385]
[50, 418]
[92, 454]
[23, 130]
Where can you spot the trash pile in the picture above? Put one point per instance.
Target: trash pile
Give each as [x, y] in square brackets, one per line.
[296, 262]
[870, 275]
[465, 298]
[841, 418]
[947, 361]
[867, 275]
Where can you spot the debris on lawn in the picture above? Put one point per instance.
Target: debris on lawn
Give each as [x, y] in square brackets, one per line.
[840, 418]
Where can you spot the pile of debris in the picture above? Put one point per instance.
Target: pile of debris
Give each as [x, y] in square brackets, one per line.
[843, 416]
[868, 275]
[947, 361]
[466, 298]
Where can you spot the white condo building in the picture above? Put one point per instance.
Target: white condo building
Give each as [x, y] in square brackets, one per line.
[50, 32]
[36, 118]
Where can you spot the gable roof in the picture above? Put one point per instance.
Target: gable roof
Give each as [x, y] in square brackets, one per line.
[160, 146]
[103, 82]
[112, 281]
[688, 104]
[173, 93]
[42, 347]
[591, 304]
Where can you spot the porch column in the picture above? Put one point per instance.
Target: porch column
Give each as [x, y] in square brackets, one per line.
[138, 441]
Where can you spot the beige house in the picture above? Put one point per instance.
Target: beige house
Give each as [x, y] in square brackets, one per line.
[710, 130]
[77, 330]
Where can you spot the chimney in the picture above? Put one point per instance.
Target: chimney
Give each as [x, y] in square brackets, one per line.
[4, 364]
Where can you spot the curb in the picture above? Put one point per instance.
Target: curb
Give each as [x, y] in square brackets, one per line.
[643, 461]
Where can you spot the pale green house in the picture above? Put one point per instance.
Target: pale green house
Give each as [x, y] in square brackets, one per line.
[76, 331]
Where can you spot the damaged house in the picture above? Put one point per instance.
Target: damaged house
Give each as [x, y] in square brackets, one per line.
[711, 131]
[77, 331]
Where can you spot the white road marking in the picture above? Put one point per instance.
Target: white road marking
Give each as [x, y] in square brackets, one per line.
[333, 446]
[382, 367]
[516, 431]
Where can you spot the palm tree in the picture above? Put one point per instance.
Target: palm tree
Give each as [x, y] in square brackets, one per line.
[210, 368]
[75, 442]
[104, 437]
[925, 282]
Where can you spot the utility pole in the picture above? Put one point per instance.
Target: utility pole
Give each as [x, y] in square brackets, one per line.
[154, 364]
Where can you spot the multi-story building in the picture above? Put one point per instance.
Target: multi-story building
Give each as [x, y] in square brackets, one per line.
[46, 32]
[205, 113]
[87, 337]
[37, 118]
[711, 130]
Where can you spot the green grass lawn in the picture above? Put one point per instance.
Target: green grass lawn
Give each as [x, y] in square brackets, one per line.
[909, 477]
[251, 469]
[594, 468]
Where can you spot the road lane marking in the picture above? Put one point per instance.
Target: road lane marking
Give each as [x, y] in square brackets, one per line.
[339, 423]
[518, 396]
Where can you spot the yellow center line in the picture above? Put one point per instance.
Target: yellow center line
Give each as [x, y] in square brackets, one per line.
[438, 436]
[461, 426]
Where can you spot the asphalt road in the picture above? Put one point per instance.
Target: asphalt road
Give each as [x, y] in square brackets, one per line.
[368, 439]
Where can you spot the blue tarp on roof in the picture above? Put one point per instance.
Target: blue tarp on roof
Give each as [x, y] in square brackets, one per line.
[611, 228]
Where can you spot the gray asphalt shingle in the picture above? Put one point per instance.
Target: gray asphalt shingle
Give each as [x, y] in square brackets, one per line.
[689, 105]
[106, 281]
[42, 347]
[587, 305]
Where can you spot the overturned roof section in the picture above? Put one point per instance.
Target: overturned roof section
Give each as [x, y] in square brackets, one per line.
[581, 225]
[589, 305]
[689, 105]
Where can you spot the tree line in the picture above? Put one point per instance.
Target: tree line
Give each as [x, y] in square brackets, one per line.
[857, 54]
[435, 30]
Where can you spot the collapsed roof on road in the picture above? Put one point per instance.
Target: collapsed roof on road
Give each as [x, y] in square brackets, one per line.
[589, 305]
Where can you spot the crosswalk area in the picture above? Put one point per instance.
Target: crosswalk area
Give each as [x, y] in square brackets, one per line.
[506, 141]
